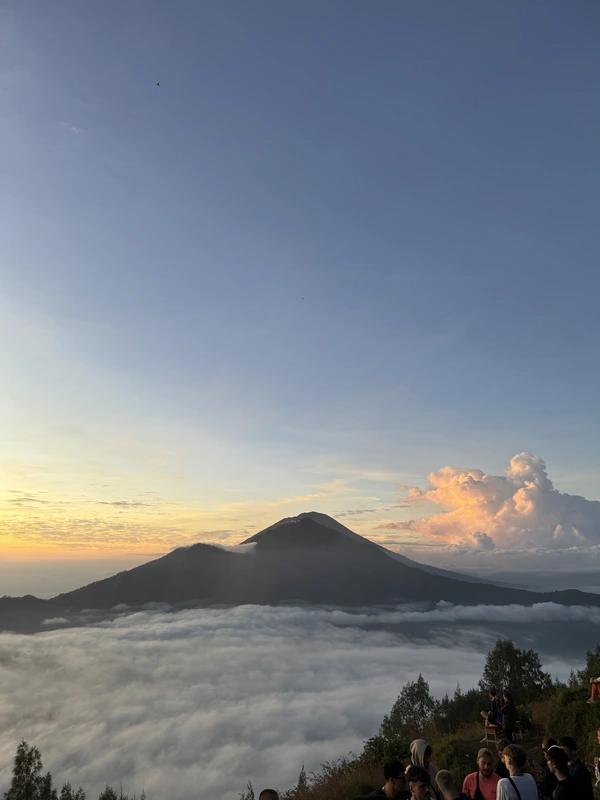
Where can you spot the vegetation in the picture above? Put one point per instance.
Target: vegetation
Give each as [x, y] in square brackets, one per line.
[452, 726]
[30, 783]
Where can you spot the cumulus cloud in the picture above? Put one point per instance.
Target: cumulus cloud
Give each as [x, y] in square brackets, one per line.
[520, 509]
[482, 541]
[196, 703]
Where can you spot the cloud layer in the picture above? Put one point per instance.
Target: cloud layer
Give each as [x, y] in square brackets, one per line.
[194, 704]
[520, 509]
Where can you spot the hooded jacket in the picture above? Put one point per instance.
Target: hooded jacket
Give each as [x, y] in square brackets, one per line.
[417, 757]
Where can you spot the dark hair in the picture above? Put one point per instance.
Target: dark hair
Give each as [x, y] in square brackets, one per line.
[393, 769]
[418, 775]
[501, 744]
[558, 756]
[508, 696]
[568, 742]
[548, 742]
[268, 794]
[517, 755]
[492, 691]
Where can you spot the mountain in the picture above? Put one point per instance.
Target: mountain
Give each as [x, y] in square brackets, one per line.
[310, 559]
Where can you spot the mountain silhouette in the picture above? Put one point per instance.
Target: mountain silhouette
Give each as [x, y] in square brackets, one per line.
[308, 559]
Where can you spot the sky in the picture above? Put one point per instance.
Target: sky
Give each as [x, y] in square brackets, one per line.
[341, 249]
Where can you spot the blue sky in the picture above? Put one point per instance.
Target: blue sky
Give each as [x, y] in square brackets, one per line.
[339, 240]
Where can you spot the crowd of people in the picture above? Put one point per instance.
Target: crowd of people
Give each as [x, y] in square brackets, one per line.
[506, 774]
[503, 774]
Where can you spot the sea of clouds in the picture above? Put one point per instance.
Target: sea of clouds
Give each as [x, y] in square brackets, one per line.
[194, 704]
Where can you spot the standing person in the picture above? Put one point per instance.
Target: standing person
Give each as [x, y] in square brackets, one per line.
[492, 717]
[420, 756]
[481, 785]
[558, 764]
[448, 786]
[509, 714]
[577, 769]
[547, 784]
[518, 785]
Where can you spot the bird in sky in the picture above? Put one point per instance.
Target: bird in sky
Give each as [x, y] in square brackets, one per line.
[157, 83]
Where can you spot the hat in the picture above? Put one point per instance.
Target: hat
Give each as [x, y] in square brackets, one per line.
[559, 757]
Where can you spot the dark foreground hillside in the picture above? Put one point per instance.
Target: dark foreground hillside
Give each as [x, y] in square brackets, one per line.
[453, 728]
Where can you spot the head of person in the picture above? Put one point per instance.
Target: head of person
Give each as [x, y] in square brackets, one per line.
[486, 761]
[395, 780]
[420, 753]
[514, 758]
[447, 785]
[507, 696]
[492, 693]
[569, 745]
[548, 742]
[268, 794]
[418, 782]
[558, 762]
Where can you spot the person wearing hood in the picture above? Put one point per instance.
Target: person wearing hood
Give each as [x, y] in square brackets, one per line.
[420, 756]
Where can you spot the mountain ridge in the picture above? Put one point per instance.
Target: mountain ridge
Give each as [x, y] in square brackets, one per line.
[309, 559]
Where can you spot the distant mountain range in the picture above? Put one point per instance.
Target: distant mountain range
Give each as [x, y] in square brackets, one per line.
[308, 559]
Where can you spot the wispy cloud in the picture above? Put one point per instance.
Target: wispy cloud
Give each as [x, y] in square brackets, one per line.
[75, 130]
[124, 503]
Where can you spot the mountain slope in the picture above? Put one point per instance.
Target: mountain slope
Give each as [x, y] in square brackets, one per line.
[309, 559]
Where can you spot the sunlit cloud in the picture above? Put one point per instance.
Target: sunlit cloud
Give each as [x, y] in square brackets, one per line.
[520, 509]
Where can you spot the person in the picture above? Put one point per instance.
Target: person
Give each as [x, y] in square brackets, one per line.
[547, 784]
[268, 794]
[419, 783]
[501, 770]
[420, 756]
[518, 785]
[577, 769]
[595, 684]
[558, 764]
[481, 785]
[394, 782]
[509, 714]
[597, 761]
[492, 717]
[447, 786]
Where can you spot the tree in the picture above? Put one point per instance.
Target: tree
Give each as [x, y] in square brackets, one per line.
[413, 709]
[463, 707]
[520, 671]
[27, 774]
[45, 789]
[379, 749]
[592, 667]
[302, 785]
[249, 793]
[67, 793]
[108, 794]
